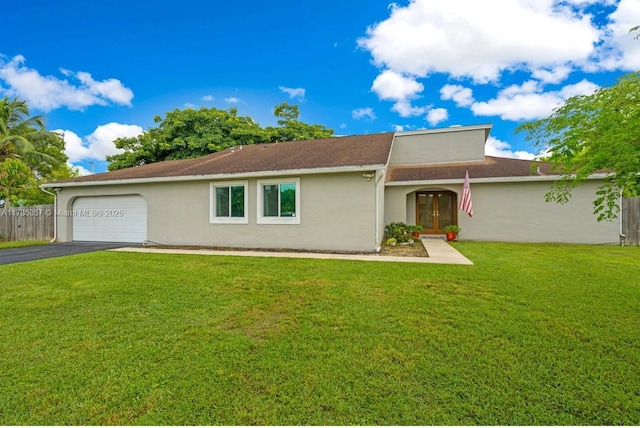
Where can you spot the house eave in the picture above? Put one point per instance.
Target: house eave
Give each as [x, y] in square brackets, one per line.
[534, 178]
[231, 176]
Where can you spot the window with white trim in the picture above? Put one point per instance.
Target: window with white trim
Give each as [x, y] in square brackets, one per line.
[279, 201]
[229, 202]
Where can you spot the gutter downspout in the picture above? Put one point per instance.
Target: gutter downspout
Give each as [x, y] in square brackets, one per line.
[55, 214]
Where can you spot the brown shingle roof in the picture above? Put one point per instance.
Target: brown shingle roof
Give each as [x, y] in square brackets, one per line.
[357, 150]
[490, 167]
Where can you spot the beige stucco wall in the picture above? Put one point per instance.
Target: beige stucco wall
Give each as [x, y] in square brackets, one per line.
[515, 212]
[337, 212]
[450, 145]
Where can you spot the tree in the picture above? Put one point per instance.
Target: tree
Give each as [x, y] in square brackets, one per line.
[291, 129]
[14, 173]
[287, 112]
[185, 134]
[138, 150]
[26, 138]
[29, 155]
[31, 194]
[590, 134]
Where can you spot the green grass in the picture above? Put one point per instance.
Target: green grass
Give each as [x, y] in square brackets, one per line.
[529, 335]
[17, 244]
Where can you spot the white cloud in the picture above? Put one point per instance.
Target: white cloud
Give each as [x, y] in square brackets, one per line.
[528, 102]
[232, 100]
[297, 93]
[518, 107]
[480, 39]
[583, 3]
[495, 147]
[532, 43]
[621, 50]
[402, 128]
[583, 87]
[109, 89]
[393, 86]
[390, 85]
[208, 98]
[405, 109]
[552, 75]
[73, 146]
[361, 113]
[99, 144]
[437, 115]
[463, 97]
[81, 170]
[47, 93]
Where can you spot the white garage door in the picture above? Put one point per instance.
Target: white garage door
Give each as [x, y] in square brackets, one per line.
[110, 219]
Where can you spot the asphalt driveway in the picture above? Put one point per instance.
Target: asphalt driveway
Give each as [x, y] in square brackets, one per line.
[37, 252]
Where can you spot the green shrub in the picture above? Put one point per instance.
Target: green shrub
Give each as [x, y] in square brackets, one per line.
[400, 231]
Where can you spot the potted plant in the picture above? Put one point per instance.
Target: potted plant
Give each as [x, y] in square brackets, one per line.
[415, 230]
[452, 231]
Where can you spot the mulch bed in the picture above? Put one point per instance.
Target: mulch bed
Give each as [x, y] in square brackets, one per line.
[415, 250]
[398, 250]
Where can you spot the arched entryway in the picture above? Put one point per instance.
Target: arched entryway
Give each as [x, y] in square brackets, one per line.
[436, 209]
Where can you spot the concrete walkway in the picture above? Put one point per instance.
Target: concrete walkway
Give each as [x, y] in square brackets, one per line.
[438, 249]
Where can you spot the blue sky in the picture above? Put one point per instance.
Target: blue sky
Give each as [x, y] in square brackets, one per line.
[101, 70]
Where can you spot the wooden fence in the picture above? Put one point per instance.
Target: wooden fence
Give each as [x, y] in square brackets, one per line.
[33, 223]
[631, 221]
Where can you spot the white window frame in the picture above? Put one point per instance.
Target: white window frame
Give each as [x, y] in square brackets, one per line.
[212, 203]
[261, 219]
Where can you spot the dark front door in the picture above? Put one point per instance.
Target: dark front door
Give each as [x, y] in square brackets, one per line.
[435, 210]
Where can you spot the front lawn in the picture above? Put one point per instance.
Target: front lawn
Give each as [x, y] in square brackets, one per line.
[529, 335]
[19, 244]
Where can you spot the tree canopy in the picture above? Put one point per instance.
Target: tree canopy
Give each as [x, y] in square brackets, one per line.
[26, 138]
[29, 155]
[590, 134]
[191, 133]
[13, 174]
[291, 128]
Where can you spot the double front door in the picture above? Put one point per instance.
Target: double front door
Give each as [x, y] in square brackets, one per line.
[435, 210]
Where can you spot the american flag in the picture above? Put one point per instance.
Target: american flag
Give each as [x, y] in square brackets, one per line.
[465, 201]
